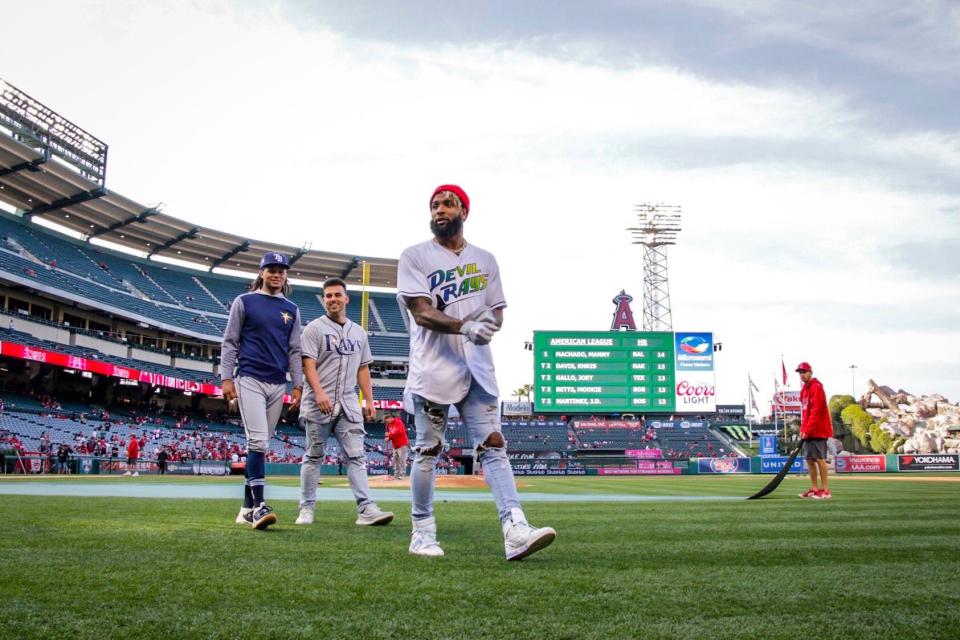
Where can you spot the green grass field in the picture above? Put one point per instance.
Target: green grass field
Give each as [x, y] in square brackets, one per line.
[879, 561]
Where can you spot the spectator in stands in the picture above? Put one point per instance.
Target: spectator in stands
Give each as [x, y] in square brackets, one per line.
[396, 435]
[451, 364]
[261, 345]
[133, 455]
[336, 358]
[815, 430]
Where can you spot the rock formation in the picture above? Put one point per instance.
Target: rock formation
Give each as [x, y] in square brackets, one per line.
[927, 423]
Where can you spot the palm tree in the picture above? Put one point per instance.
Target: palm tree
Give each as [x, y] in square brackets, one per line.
[526, 389]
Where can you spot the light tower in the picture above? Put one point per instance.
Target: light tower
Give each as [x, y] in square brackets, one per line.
[657, 228]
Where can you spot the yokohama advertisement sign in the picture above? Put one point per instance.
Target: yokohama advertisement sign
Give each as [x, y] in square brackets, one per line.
[929, 462]
[861, 464]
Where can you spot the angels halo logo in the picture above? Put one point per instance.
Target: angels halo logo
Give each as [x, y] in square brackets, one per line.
[694, 344]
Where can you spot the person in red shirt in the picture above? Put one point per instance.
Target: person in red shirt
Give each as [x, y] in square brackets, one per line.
[815, 430]
[133, 453]
[397, 435]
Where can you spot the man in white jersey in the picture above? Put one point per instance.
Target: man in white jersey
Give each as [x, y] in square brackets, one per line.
[453, 292]
[336, 355]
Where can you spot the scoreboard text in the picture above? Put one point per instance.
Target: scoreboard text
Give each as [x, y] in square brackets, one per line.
[604, 371]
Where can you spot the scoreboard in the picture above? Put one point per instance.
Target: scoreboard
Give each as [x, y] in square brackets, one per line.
[623, 372]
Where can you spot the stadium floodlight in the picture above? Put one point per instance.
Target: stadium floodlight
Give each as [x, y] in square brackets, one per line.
[657, 228]
[36, 125]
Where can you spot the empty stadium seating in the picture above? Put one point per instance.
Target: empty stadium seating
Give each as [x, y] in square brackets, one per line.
[162, 296]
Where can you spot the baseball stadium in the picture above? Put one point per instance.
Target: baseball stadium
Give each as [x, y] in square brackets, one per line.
[113, 316]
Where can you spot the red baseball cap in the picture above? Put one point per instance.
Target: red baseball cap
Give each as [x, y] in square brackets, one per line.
[803, 366]
[452, 188]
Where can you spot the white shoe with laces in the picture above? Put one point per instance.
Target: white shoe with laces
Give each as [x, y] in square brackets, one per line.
[371, 515]
[305, 517]
[244, 516]
[423, 540]
[520, 539]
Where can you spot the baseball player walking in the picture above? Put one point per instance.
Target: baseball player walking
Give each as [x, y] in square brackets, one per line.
[453, 292]
[260, 346]
[336, 358]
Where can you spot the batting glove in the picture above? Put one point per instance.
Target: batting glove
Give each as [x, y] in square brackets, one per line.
[479, 332]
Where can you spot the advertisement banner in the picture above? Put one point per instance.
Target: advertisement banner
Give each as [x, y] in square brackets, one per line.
[861, 464]
[526, 465]
[773, 464]
[517, 408]
[643, 453]
[723, 465]
[694, 383]
[929, 462]
[786, 402]
[549, 471]
[642, 468]
[93, 365]
[731, 409]
[768, 445]
[607, 424]
[678, 424]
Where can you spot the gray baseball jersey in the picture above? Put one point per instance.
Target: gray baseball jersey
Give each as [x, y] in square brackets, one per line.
[340, 351]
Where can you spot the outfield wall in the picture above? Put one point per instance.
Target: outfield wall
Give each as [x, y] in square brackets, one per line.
[619, 466]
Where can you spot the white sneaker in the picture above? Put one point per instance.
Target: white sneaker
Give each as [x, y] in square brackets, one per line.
[244, 516]
[373, 516]
[136, 474]
[305, 517]
[127, 473]
[423, 540]
[520, 539]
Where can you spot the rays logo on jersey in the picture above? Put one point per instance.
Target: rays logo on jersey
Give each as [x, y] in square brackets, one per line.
[452, 284]
[344, 346]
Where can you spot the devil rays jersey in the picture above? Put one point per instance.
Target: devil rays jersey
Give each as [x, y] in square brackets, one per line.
[442, 364]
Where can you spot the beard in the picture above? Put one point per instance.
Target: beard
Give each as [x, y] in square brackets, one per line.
[450, 230]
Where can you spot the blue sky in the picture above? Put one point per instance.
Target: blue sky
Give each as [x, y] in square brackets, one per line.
[814, 149]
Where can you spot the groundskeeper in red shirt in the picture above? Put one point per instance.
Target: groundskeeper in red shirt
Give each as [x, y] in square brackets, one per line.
[816, 417]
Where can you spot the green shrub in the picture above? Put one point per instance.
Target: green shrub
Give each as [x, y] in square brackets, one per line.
[859, 422]
[836, 405]
[880, 440]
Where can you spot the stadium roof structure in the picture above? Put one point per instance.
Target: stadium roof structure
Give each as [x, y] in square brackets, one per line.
[52, 169]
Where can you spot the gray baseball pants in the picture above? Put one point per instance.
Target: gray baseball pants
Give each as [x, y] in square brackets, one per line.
[260, 406]
[350, 435]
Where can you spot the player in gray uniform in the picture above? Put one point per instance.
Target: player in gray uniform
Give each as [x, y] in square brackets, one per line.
[261, 345]
[336, 355]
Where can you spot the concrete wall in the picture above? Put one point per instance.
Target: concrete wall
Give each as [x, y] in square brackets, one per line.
[149, 356]
[110, 348]
[193, 365]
